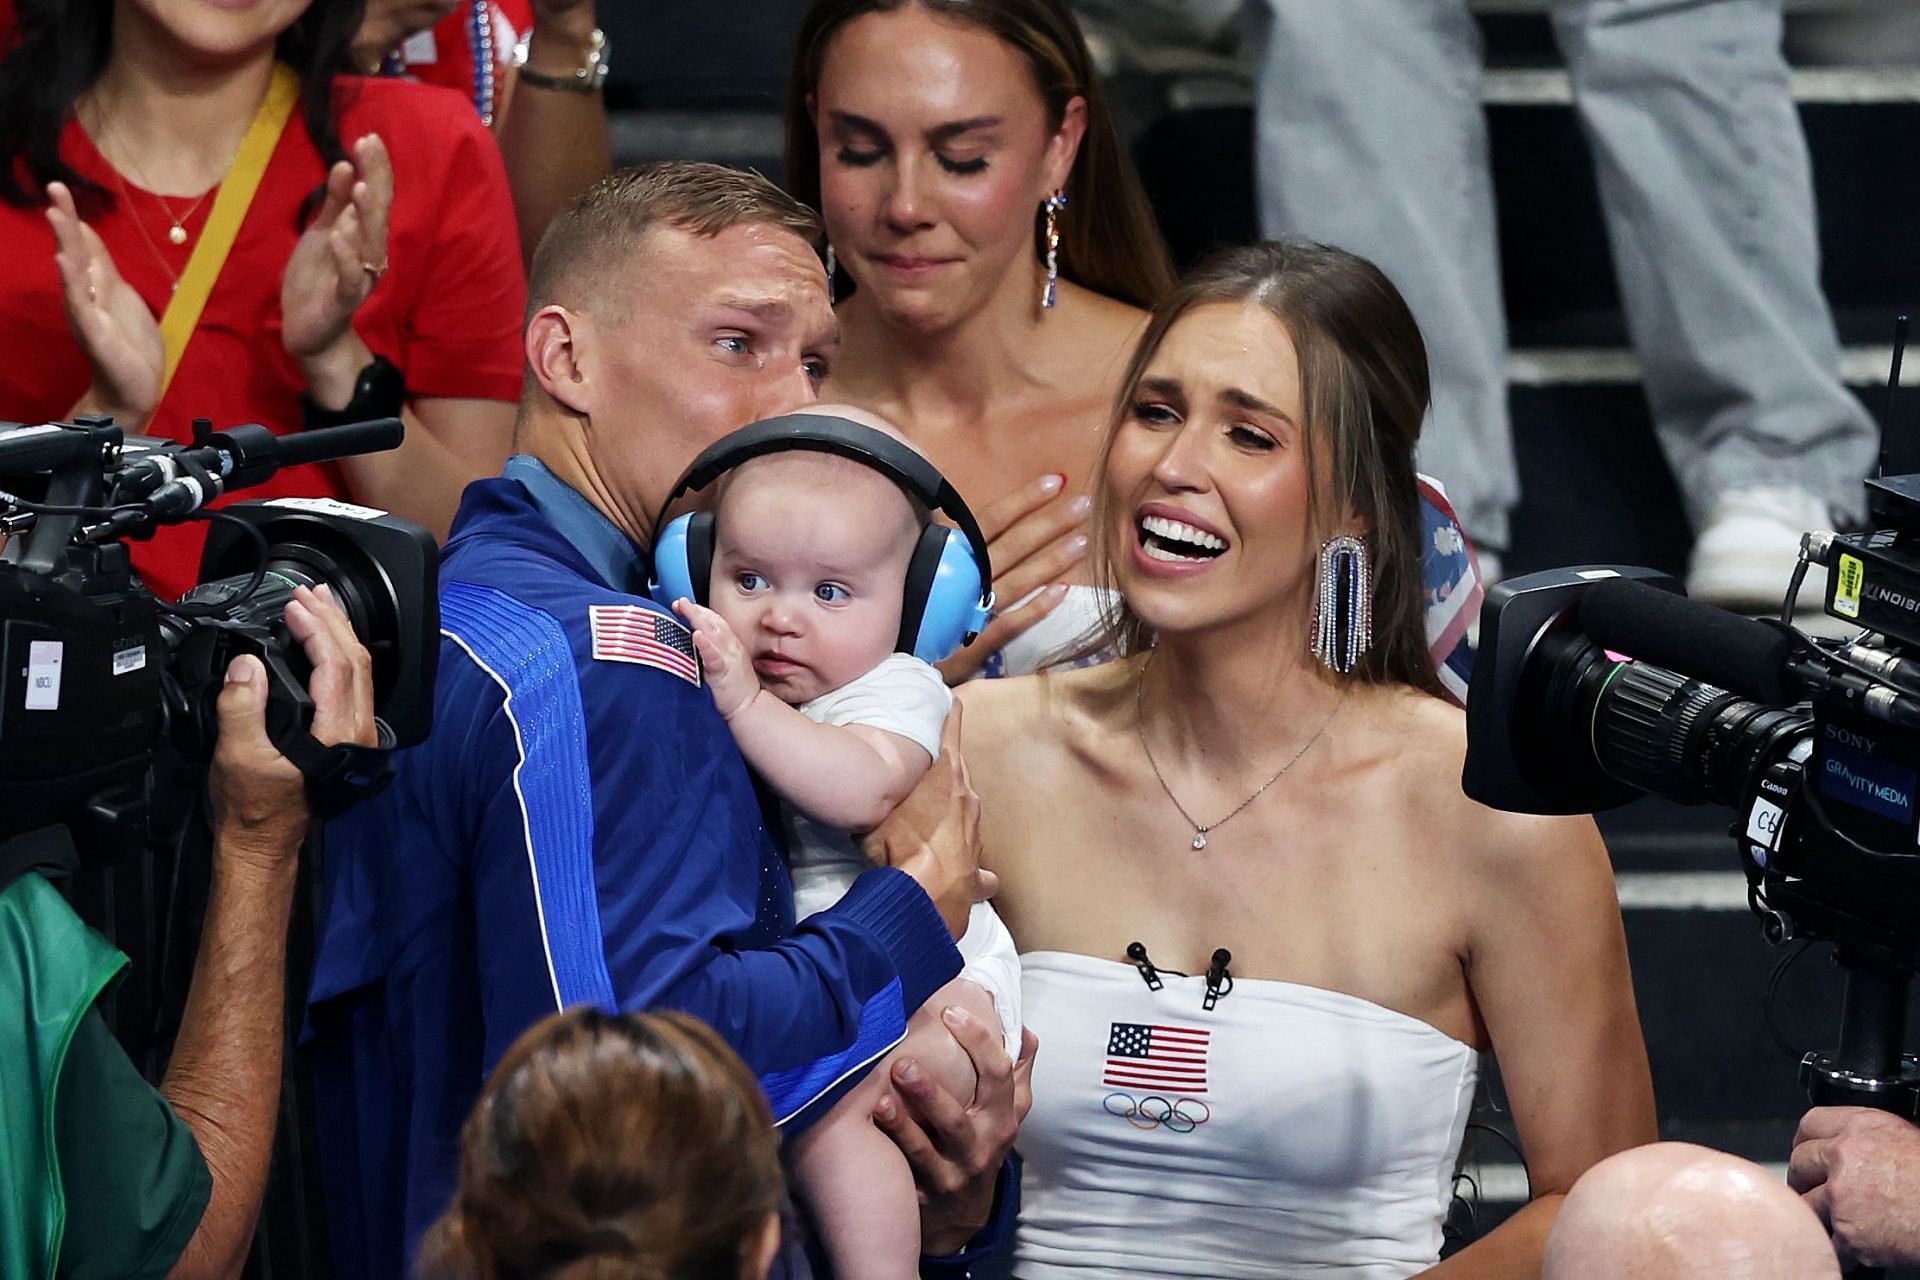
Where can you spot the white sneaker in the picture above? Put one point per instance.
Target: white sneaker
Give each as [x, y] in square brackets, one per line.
[1744, 558]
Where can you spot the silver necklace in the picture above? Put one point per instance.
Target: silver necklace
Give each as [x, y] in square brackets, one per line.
[1200, 829]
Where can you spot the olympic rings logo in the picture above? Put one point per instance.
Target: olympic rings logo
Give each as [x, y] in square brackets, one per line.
[1180, 1115]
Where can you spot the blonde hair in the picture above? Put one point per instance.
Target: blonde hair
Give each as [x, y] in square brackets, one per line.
[611, 218]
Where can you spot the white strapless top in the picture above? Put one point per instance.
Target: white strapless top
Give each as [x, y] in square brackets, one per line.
[1289, 1131]
[1073, 622]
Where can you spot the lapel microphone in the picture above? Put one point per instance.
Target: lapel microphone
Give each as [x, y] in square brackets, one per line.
[1219, 980]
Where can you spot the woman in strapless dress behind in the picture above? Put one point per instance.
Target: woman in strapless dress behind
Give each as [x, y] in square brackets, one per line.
[942, 142]
[1265, 936]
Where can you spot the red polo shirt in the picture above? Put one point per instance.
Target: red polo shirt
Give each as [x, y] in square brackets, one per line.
[447, 312]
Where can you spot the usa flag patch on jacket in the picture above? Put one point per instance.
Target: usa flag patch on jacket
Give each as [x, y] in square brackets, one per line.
[633, 633]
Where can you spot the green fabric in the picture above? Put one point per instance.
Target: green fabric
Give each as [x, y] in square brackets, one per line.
[136, 1184]
[51, 969]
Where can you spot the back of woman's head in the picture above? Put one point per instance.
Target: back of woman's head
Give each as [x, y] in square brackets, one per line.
[1363, 390]
[1109, 240]
[632, 1147]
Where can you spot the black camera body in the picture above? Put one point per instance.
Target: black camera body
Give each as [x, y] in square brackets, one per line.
[1863, 773]
[82, 714]
[107, 693]
[1875, 579]
[1598, 684]
[1591, 688]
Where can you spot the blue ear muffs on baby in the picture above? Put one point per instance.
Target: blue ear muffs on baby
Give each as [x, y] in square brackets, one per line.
[943, 606]
[947, 597]
[683, 560]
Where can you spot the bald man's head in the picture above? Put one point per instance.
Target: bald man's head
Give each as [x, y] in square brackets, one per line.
[1673, 1209]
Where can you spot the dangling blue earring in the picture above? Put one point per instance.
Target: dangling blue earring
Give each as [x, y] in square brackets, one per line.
[1055, 203]
[832, 266]
[1342, 603]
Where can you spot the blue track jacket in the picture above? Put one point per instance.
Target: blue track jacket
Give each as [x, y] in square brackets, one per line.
[577, 829]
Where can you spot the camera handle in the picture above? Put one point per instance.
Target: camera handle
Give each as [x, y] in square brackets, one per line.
[338, 777]
[1868, 1069]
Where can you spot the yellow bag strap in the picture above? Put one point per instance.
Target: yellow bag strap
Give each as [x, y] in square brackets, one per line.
[224, 219]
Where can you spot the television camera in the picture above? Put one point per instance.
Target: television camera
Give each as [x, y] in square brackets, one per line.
[107, 692]
[1594, 685]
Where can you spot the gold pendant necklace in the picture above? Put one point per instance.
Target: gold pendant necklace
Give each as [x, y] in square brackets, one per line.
[177, 233]
[177, 225]
[173, 277]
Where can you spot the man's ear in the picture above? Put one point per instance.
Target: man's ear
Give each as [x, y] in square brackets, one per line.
[555, 340]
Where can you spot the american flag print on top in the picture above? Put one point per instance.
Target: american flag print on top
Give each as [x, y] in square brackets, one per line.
[1156, 1056]
[1453, 588]
[631, 633]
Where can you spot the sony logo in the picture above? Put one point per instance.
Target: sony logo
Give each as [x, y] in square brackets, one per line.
[1886, 595]
[1848, 737]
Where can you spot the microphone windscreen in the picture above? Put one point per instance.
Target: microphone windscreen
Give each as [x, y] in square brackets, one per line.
[1738, 654]
[329, 444]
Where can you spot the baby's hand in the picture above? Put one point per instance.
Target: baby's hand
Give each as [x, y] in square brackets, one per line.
[723, 658]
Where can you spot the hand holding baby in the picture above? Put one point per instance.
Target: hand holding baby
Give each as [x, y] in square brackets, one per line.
[723, 659]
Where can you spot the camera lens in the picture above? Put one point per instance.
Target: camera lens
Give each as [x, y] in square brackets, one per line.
[1682, 738]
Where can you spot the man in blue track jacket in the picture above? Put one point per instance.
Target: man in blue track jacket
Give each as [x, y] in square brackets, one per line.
[580, 826]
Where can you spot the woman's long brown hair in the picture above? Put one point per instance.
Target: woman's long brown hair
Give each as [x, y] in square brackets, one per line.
[1109, 241]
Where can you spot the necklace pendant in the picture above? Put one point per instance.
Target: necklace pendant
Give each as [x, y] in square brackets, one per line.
[1199, 839]
[178, 234]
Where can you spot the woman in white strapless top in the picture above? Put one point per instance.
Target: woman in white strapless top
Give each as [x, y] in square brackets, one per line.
[1226, 783]
[1286, 1125]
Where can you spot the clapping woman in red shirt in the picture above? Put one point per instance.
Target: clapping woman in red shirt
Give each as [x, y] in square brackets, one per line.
[204, 215]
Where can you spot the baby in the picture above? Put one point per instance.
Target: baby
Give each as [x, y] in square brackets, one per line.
[809, 567]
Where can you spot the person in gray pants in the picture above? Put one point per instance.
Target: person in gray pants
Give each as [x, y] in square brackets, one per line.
[1370, 135]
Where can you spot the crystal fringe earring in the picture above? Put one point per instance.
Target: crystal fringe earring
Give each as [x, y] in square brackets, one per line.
[1055, 203]
[832, 266]
[1342, 603]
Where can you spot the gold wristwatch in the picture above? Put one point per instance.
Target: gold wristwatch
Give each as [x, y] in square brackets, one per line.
[587, 79]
